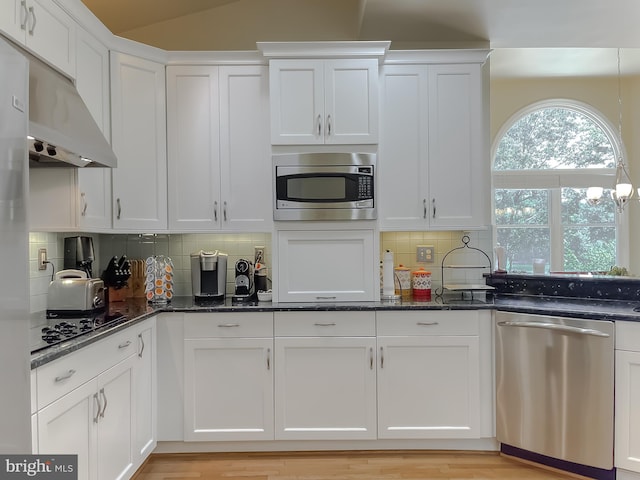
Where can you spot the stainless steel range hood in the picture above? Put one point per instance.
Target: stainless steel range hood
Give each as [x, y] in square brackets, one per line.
[62, 132]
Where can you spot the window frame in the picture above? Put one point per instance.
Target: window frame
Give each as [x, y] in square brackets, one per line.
[556, 179]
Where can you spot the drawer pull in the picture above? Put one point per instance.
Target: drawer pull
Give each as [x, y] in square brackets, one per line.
[427, 324]
[124, 345]
[97, 399]
[141, 345]
[332, 324]
[228, 325]
[69, 374]
[104, 406]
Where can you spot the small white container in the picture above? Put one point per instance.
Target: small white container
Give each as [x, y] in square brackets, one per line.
[264, 296]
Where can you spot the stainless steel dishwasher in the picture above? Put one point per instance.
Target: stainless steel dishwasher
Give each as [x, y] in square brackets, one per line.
[554, 387]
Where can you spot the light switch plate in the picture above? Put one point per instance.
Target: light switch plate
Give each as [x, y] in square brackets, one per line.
[425, 254]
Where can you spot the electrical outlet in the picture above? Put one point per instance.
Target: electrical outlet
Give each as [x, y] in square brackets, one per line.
[42, 259]
[258, 253]
[425, 254]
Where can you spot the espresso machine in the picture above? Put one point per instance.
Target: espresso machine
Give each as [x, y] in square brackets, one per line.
[208, 276]
[243, 281]
[78, 254]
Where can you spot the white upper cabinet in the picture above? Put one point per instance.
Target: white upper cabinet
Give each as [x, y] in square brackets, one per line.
[139, 142]
[433, 159]
[218, 148]
[44, 28]
[324, 101]
[92, 82]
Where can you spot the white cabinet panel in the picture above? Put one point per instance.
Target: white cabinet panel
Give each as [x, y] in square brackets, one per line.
[317, 266]
[139, 142]
[627, 396]
[324, 101]
[145, 411]
[325, 388]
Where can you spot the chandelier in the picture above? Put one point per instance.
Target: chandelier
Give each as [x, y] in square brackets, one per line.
[623, 191]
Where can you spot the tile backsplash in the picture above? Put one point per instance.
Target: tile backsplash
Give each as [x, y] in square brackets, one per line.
[179, 247]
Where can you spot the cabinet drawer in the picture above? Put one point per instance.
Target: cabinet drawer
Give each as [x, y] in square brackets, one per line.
[325, 324]
[428, 322]
[628, 336]
[228, 325]
[59, 377]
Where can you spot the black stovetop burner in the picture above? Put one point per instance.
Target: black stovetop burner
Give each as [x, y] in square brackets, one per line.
[60, 329]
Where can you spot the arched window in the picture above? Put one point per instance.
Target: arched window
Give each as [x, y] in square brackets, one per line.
[544, 159]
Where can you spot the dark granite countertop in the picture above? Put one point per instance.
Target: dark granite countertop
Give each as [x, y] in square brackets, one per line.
[515, 300]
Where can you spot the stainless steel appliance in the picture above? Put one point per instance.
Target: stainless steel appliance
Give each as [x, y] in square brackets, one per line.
[78, 254]
[555, 380]
[15, 416]
[325, 186]
[209, 275]
[72, 292]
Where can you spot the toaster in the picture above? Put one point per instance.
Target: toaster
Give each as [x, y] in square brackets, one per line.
[71, 292]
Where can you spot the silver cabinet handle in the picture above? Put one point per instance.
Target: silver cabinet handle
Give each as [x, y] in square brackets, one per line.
[371, 358]
[319, 125]
[228, 325]
[104, 406]
[124, 345]
[556, 327]
[224, 210]
[215, 211]
[35, 20]
[381, 357]
[427, 324]
[433, 205]
[328, 125]
[332, 324]
[141, 345]
[119, 208]
[424, 208]
[67, 375]
[99, 405]
[24, 15]
[326, 298]
[83, 198]
[268, 359]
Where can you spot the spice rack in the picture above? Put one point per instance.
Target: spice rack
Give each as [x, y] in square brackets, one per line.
[484, 263]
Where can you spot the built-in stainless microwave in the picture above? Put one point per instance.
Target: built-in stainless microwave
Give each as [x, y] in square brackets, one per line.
[324, 186]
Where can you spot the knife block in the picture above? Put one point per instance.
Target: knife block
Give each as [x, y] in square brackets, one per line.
[118, 294]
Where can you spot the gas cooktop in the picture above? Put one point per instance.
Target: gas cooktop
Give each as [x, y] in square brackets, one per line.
[61, 329]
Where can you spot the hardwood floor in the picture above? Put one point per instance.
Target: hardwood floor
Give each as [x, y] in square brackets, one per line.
[375, 465]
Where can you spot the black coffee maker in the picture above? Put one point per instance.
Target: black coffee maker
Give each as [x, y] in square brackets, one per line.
[243, 281]
[78, 254]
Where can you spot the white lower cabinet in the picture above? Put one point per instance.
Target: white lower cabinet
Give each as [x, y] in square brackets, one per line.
[428, 375]
[627, 399]
[99, 402]
[228, 376]
[325, 375]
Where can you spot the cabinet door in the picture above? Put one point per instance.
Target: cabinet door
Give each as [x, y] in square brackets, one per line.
[428, 387]
[115, 387]
[245, 153]
[228, 389]
[193, 125]
[144, 394]
[68, 426]
[51, 34]
[316, 266]
[457, 157]
[351, 101]
[297, 102]
[52, 199]
[139, 142]
[92, 82]
[404, 150]
[13, 19]
[325, 388]
[627, 408]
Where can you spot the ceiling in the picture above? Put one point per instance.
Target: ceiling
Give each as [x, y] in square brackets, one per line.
[528, 37]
